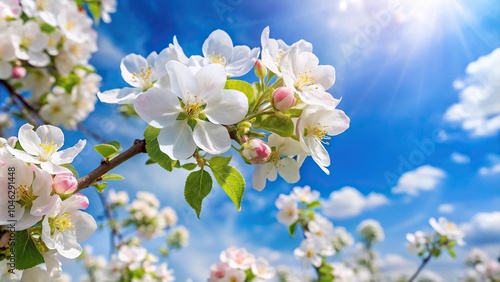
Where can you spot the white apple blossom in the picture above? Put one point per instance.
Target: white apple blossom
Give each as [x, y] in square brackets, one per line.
[30, 43]
[9, 10]
[273, 50]
[179, 237]
[75, 24]
[309, 253]
[341, 238]
[65, 225]
[305, 194]
[371, 230]
[202, 97]
[132, 256]
[237, 258]
[218, 49]
[416, 241]
[107, 7]
[446, 228]
[41, 148]
[7, 55]
[44, 9]
[118, 198]
[31, 194]
[280, 162]
[165, 274]
[288, 209]
[342, 273]
[218, 272]
[262, 270]
[38, 82]
[169, 215]
[235, 275]
[317, 124]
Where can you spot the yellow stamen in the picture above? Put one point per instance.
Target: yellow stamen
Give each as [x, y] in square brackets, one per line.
[144, 77]
[48, 148]
[304, 79]
[217, 59]
[63, 222]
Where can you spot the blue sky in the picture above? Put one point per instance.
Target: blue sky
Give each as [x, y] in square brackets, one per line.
[399, 69]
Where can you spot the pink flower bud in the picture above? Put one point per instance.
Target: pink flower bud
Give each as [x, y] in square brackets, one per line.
[79, 201]
[283, 98]
[64, 183]
[260, 69]
[256, 151]
[18, 72]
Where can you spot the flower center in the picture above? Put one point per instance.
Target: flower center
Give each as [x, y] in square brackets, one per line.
[61, 223]
[217, 59]
[42, 5]
[318, 133]
[304, 79]
[48, 148]
[310, 253]
[24, 195]
[193, 109]
[144, 77]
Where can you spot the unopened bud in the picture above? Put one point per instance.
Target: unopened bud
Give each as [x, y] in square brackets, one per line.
[283, 98]
[64, 183]
[260, 69]
[256, 151]
[18, 72]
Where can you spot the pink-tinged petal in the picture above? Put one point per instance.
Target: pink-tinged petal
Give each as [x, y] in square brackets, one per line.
[84, 223]
[230, 109]
[52, 168]
[211, 138]
[5, 215]
[49, 134]
[29, 139]
[288, 169]
[158, 107]
[182, 80]
[259, 177]
[218, 43]
[126, 95]
[176, 140]
[42, 185]
[211, 80]
[66, 156]
[23, 173]
[242, 61]
[324, 75]
[27, 220]
[43, 204]
[76, 202]
[131, 64]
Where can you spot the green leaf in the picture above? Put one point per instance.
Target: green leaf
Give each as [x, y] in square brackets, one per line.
[278, 123]
[116, 144]
[231, 181]
[150, 161]
[106, 150]
[27, 254]
[127, 110]
[72, 169]
[189, 166]
[219, 161]
[112, 176]
[292, 228]
[198, 186]
[241, 86]
[325, 272]
[95, 10]
[100, 186]
[47, 28]
[153, 149]
[452, 253]
[294, 112]
[313, 205]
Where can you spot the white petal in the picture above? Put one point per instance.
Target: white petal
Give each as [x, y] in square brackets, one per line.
[27, 221]
[158, 107]
[176, 140]
[289, 170]
[337, 123]
[42, 185]
[259, 177]
[211, 138]
[316, 95]
[43, 204]
[38, 59]
[325, 76]
[318, 152]
[126, 95]
[212, 79]
[242, 61]
[66, 156]
[52, 168]
[131, 64]
[70, 247]
[5, 70]
[49, 133]
[29, 139]
[230, 109]
[218, 43]
[182, 81]
[84, 223]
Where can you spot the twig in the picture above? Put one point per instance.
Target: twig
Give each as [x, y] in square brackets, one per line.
[138, 147]
[422, 265]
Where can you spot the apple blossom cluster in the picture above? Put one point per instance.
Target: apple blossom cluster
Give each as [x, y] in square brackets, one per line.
[45, 47]
[195, 107]
[446, 235]
[481, 267]
[132, 262]
[238, 265]
[39, 208]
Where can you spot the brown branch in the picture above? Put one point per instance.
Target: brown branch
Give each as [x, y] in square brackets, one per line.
[138, 147]
[17, 97]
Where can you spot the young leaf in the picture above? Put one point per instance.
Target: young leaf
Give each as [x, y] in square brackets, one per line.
[189, 166]
[278, 123]
[241, 86]
[292, 228]
[198, 186]
[231, 180]
[106, 150]
[219, 161]
[100, 186]
[27, 255]
[112, 176]
[153, 149]
[116, 144]
[313, 205]
[95, 10]
[72, 169]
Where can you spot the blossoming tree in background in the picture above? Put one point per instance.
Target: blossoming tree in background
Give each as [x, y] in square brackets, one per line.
[197, 110]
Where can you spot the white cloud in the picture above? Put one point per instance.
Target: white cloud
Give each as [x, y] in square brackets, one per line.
[490, 170]
[478, 109]
[460, 158]
[482, 228]
[394, 266]
[349, 202]
[109, 54]
[423, 178]
[446, 208]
